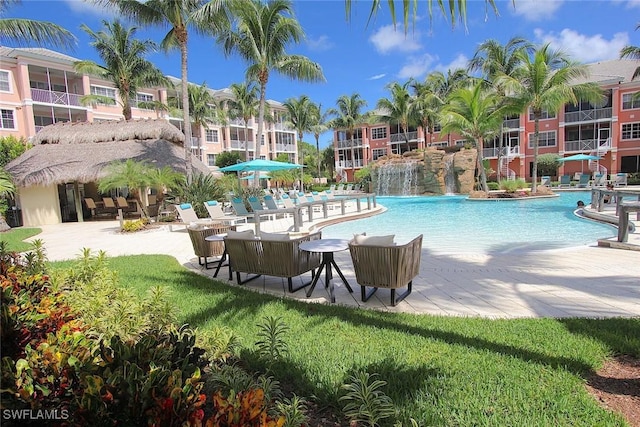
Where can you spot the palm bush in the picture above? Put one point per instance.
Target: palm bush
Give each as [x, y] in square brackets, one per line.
[201, 189]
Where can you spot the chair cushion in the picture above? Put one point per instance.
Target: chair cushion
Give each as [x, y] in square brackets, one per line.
[274, 236]
[246, 235]
[212, 202]
[185, 206]
[361, 239]
[196, 226]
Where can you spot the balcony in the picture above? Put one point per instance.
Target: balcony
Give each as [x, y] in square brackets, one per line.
[347, 164]
[240, 122]
[400, 137]
[347, 143]
[56, 98]
[240, 145]
[490, 152]
[511, 124]
[588, 115]
[289, 148]
[602, 146]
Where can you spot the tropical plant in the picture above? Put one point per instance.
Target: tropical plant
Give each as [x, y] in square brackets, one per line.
[201, 110]
[300, 113]
[318, 126]
[365, 401]
[271, 342]
[179, 15]
[328, 160]
[294, 411]
[227, 158]
[244, 105]
[163, 180]
[197, 191]
[632, 52]
[548, 164]
[11, 148]
[7, 189]
[450, 9]
[476, 113]
[124, 64]
[426, 106]
[545, 82]
[398, 110]
[261, 35]
[131, 174]
[27, 31]
[349, 117]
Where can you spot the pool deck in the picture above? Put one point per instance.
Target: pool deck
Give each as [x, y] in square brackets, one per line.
[585, 281]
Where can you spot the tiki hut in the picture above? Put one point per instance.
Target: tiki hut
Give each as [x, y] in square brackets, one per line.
[68, 159]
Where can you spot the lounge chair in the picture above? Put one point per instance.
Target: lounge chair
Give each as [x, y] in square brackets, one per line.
[565, 181]
[584, 180]
[546, 181]
[270, 257]
[109, 205]
[188, 215]
[94, 209]
[386, 266]
[122, 203]
[621, 179]
[215, 213]
[256, 206]
[204, 249]
[599, 180]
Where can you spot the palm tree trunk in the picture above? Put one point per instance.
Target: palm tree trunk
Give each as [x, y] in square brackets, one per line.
[318, 154]
[353, 160]
[536, 135]
[246, 140]
[263, 92]
[481, 171]
[186, 117]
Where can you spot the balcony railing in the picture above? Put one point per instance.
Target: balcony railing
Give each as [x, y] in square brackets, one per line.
[240, 122]
[286, 147]
[347, 143]
[57, 98]
[348, 164]
[240, 145]
[511, 124]
[400, 137]
[602, 145]
[588, 115]
[490, 152]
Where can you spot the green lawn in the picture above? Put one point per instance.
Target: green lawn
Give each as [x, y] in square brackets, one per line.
[441, 371]
[15, 237]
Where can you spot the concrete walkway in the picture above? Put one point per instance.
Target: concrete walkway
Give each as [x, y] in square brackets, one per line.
[586, 281]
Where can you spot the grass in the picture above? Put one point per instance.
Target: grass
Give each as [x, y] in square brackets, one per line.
[15, 237]
[440, 370]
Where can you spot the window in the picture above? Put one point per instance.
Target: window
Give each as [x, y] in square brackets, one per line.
[439, 144]
[7, 119]
[38, 85]
[545, 115]
[379, 133]
[211, 135]
[376, 153]
[284, 138]
[630, 101]
[143, 97]
[461, 142]
[631, 131]
[4, 81]
[211, 159]
[109, 92]
[545, 139]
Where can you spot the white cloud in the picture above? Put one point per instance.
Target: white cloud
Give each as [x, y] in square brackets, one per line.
[582, 47]
[377, 77]
[459, 61]
[416, 66]
[535, 10]
[320, 44]
[83, 8]
[633, 4]
[389, 39]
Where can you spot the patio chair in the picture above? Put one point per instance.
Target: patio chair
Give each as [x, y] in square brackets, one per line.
[386, 266]
[109, 205]
[122, 203]
[621, 179]
[94, 209]
[272, 205]
[256, 206]
[599, 180]
[188, 215]
[237, 204]
[546, 181]
[584, 180]
[204, 249]
[565, 181]
[216, 213]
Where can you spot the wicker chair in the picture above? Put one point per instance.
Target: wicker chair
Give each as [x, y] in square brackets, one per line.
[204, 249]
[279, 258]
[390, 267]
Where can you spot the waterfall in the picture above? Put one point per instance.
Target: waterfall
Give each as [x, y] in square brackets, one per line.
[449, 175]
[399, 178]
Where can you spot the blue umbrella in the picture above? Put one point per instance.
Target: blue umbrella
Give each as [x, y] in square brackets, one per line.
[252, 176]
[259, 165]
[579, 157]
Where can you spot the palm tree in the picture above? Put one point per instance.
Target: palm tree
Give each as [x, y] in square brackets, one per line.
[449, 11]
[426, 106]
[329, 159]
[300, 113]
[201, 109]
[260, 36]
[124, 61]
[476, 113]
[349, 117]
[399, 109]
[131, 174]
[632, 52]
[179, 15]
[543, 82]
[7, 189]
[493, 59]
[244, 105]
[27, 31]
[318, 126]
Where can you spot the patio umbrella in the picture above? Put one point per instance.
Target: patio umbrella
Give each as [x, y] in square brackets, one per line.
[252, 176]
[581, 158]
[260, 165]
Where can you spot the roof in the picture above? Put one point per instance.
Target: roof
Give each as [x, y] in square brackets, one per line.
[609, 72]
[14, 52]
[73, 152]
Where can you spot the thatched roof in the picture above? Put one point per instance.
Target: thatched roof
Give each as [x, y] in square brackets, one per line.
[63, 159]
[97, 132]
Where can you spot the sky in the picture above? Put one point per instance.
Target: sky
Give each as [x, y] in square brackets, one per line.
[362, 56]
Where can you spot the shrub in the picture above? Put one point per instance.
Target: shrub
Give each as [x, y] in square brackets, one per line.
[365, 402]
[200, 189]
[513, 185]
[130, 226]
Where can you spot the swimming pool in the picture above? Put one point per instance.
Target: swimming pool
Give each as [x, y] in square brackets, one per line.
[452, 224]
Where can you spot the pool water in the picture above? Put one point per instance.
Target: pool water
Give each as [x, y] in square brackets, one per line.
[452, 224]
